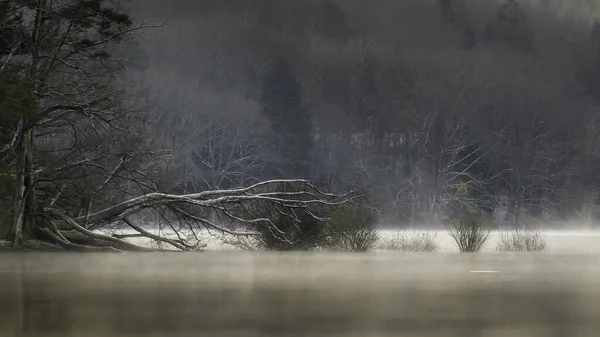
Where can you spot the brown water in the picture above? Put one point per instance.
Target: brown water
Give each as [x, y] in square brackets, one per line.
[303, 294]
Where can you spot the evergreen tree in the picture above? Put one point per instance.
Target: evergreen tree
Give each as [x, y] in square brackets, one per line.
[63, 76]
[291, 123]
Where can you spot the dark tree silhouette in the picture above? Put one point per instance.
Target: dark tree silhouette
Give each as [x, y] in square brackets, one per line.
[291, 123]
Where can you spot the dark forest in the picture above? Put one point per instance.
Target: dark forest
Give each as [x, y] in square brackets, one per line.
[112, 111]
[409, 98]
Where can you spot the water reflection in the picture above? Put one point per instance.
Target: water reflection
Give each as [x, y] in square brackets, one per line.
[232, 294]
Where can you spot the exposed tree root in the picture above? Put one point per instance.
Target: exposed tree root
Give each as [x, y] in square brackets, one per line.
[66, 245]
[5, 245]
[110, 241]
[30, 245]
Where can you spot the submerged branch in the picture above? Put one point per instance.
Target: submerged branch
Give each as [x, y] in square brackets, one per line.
[144, 233]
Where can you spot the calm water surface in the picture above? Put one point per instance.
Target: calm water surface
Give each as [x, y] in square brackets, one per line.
[299, 294]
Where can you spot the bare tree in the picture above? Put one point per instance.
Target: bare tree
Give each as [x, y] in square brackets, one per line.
[77, 158]
[66, 65]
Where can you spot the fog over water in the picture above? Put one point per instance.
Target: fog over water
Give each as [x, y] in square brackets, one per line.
[578, 242]
[298, 294]
[482, 112]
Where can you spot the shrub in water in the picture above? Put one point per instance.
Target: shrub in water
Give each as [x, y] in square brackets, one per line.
[522, 240]
[467, 226]
[352, 227]
[411, 242]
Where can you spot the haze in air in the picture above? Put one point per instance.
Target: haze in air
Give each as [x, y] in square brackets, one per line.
[406, 98]
[296, 134]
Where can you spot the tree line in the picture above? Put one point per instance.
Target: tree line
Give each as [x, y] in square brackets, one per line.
[229, 101]
[409, 99]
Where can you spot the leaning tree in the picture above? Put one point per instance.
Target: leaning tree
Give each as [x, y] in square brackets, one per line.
[75, 155]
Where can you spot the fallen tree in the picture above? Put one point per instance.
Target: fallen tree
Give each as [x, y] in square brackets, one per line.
[186, 212]
[190, 210]
[77, 154]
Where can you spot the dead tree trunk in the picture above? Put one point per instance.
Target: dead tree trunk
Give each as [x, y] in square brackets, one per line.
[24, 204]
[18, 209]
[30, 206]
[24, 200]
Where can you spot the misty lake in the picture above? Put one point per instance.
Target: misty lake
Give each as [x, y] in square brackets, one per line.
[197, 114]
[299, 294]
